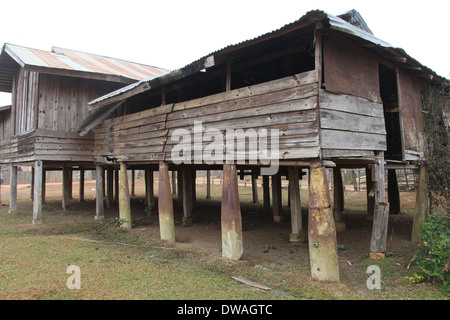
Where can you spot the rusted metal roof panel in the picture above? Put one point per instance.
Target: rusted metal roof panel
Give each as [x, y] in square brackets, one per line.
[60, 60]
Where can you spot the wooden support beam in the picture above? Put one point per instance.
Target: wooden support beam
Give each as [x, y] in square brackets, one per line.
[393, 192]
[381, 212]
[109, 187]
[116, 185]
[65, 187]
[321, 229]
[231, 220]
[44, 177]
[370, 193]
[70, 186]
[165, 205]
[37, 192]
[276, 197]
[254, 186]
[124, 198]
[81, 186]
[149, 190]
[266, 192]
[179, 185]
[188, 194]
[133, 182]
[12, 189]
[297, 234]
[32, 183]
[208, 184]
[99, 181]
[174, 182]
[338, 199]
[421, 208]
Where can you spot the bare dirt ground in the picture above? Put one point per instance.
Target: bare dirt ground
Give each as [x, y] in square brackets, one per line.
[263, 239]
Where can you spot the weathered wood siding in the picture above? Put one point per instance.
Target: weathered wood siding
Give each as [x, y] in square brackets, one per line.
[5, 135]
[288, 104]
[410, 106]
[47, 110]
[350, 126]
[350, 69]
[25, 100]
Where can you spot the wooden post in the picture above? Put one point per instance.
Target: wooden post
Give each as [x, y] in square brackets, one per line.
[37, 192]
[165, 205]
[174, 182]
[70, 186]
[381, 212]
[393, 192]
[12, 189]
[421, 208]
[180, 185]
[370, 193]
[255, 186]
[208, 184]
[109, 187]
[124, 198]
[321, 229]
[44, 176]
[297, 234]
[276, 197]
[81, 186]
[231, 220]
[99, 207]
[133, 181]
[116, 184]
[194, 188]
[149, 191]
[338, 199]
[32, 183]
[266, 192]
[188, 204]
[65, 187]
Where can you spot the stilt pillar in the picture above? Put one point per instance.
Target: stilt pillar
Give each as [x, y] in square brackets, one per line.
[381, 211]
[370, 190]
[65, 187]
[297, 234]
[188, 194]
[231, 220]
[254, 186]
[81, 186]
[266, 192]
[124, 198]
[208, 184]
[109, 187]
[99, 181]
[37, 192]
[165, 204]
[421, 208]
[149, 191]
[338, 199]
[393, 192]
[276, 197]
[32, 183]
[321, 229]
[12, 189]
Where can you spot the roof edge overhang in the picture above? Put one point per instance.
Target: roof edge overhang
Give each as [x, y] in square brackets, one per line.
[310, 19]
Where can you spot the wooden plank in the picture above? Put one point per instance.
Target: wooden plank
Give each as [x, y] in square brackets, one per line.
[337, 120]
[38, 192]
[350, 104]
[165, 205]
[336, 139]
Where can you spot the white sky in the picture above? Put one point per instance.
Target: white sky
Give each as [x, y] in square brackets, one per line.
[172, 33]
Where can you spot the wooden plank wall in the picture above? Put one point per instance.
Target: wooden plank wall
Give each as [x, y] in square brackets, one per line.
[350, 126]
[288, 104]
[25, 100]
[5, 135]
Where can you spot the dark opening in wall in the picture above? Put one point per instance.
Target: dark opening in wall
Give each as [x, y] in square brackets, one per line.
[389, 96]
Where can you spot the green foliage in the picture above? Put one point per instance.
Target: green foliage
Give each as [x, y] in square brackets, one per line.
[116, 222]
[437, 139]
[433, 252]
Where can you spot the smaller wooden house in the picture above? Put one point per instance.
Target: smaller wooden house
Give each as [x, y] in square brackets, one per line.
[50, 92]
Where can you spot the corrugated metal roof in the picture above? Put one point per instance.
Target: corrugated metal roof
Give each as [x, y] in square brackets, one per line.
[60, 60]
[310, 18]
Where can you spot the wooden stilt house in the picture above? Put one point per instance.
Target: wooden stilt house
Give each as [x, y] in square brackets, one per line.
[50, 92]
[336, 96]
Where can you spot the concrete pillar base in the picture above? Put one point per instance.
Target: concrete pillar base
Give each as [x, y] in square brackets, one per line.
[99, 217]
[37, 221]
[377, 255]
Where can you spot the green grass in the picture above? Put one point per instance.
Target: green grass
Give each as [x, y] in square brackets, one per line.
[120, 264]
